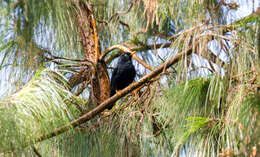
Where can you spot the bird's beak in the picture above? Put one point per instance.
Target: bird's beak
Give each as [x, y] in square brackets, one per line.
[133, 53]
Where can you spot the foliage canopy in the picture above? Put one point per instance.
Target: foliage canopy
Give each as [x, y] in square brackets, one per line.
[206, 103]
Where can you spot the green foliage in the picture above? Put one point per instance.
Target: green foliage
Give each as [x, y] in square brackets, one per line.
[204, 116]
[187, 118]
[35, 110]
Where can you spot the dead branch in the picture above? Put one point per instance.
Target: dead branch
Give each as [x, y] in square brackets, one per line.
[133, 48]
[53, 57]
[116, 15]
[124, 24]
[121, 12]
[149, 47]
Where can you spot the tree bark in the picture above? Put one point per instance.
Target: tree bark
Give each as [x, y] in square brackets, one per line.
[100, 83]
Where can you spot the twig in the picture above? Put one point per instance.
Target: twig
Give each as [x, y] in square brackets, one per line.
[201, 67]
[240, 75]
[63, 58]
[121, 12]
[212, 66]
[36, 151]
[152, 46]
[124, 24]
[117, 15]
[142, 62]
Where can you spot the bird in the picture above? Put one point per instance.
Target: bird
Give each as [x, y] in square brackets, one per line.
[123, 74]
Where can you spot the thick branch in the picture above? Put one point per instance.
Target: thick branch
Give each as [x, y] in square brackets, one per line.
[91, 114]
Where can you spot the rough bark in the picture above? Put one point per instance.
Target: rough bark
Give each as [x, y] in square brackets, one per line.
[100, 83]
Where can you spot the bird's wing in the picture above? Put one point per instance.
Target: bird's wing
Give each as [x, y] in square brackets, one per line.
[113, 78]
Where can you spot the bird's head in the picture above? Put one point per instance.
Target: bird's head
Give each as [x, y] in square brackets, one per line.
[126, 57]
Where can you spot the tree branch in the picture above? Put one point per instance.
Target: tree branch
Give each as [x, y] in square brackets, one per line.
[36, 152]
[91, 114]
[117, 14]
[130, 50]
[126, 50]
[122, 12]
[134, 48]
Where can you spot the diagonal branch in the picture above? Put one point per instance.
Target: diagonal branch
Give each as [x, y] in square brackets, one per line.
[91, 114]
[142, 62]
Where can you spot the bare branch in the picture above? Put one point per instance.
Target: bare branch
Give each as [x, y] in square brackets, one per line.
[117, 14]
[122, 12]
[63, 58]
[149, 47]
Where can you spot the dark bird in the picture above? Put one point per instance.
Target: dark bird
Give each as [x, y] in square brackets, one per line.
[123, 74]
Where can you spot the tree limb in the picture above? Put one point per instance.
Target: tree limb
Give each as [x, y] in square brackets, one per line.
[91, 114]
[126, 50]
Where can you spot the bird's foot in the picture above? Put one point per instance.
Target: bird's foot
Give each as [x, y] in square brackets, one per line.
[137, 93]
[118, 91]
